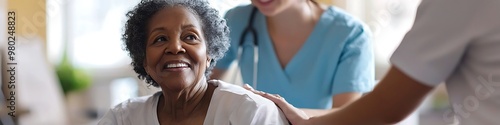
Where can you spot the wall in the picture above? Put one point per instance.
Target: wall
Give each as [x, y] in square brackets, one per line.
[30, 18]
[329, 2]
[338, 3]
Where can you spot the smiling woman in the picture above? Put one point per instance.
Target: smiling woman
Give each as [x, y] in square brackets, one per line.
[176, 52]
[174, 44]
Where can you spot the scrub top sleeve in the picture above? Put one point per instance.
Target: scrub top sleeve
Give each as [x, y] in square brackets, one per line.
[355, 70]
[433, 48]
[232, 52]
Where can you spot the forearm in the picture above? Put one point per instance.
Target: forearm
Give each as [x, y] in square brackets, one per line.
[318, 112]
[340, 100]
[366, 111]
[391, 101]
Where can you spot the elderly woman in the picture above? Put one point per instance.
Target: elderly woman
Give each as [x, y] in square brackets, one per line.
[173, 45]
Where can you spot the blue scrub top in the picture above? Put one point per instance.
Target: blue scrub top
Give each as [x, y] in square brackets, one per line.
[336, 58]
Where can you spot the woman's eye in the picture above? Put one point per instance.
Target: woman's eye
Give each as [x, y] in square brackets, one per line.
[190, 37]
[160, 39]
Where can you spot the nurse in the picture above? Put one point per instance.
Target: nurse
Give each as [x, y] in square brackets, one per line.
[316, 56]
[452, 41]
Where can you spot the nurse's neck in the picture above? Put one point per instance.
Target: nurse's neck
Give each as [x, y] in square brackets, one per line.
[296, 17]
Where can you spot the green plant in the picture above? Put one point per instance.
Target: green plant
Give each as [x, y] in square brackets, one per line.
[70, 77]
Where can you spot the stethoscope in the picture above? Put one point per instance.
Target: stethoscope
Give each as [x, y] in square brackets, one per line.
[250, 30]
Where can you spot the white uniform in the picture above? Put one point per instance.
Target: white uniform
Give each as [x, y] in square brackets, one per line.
[457, 42]
[230, 104]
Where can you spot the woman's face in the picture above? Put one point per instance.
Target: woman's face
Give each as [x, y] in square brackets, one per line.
[176, 55]
[273, 7]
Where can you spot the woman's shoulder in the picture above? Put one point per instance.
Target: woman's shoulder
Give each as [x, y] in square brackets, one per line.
[238, 14]
[339, 16]
[132, 111]
[341, 23]
[136, 104]
[228, 91]
[241, 106]
[224, 88]
[238, 10]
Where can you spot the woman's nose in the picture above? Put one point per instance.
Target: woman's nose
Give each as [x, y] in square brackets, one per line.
[175, 47]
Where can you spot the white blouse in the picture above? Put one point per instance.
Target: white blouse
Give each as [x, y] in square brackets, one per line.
[230, 104]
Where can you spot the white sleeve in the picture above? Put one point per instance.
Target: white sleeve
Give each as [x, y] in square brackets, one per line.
[257, 112]
[108, 119]
[434, 46]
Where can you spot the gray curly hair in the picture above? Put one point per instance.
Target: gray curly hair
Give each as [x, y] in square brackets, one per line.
[135, 36]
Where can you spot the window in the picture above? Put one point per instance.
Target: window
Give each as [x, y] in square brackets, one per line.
[92, 30]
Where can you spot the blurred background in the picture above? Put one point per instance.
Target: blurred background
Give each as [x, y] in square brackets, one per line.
[71, 66]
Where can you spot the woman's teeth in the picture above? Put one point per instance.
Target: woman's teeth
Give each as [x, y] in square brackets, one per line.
[264, 1]
[177, 65]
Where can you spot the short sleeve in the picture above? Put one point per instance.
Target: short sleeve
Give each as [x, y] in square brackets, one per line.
[231, 53]
[355, 70]
[263, 112]
[434, 46]
[108, 119]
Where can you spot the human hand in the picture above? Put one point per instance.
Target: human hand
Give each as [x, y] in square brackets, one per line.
[294, 115]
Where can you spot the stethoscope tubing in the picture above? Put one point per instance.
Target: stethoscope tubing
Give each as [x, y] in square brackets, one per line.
[251, 30]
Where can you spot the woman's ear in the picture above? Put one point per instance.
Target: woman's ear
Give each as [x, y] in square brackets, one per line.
[209, 60]
[144, 65]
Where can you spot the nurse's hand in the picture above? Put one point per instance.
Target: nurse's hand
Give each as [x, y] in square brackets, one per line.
[294, 115]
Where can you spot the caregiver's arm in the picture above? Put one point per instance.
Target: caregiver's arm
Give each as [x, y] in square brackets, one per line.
[396, 96]
[339, 101]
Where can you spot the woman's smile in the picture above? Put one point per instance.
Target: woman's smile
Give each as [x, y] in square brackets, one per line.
[176, 53]
[265, 2]
[176, 66]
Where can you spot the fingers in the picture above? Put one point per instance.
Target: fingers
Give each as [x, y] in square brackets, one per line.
[273, 97]
[294, 115]
[280, 101]
[248, 87]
